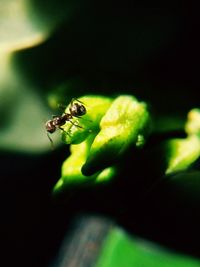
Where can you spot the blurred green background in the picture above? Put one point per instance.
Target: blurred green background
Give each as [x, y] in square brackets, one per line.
[51, 51]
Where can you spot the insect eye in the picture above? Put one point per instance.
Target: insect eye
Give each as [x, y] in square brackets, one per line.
[82, 110]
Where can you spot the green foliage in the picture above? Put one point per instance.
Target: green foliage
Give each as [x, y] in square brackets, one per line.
[109, 129]
[125, 124]
[26, 23]
[120, 250]
[182, 153]
[52, 51]
[192, 126]
[23, 26]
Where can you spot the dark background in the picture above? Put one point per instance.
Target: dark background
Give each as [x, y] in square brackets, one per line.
[104, 48]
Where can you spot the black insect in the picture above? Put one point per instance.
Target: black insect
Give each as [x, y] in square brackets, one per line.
[76, 109]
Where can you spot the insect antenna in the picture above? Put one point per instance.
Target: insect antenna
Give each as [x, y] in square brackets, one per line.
[76, 99]
[84, 119]
[76, 124]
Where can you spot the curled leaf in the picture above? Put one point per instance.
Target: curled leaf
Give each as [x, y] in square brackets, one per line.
[125, 123]
[193, 123]
[182, 153]
[108, 130]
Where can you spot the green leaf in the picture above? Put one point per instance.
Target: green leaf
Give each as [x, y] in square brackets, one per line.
[96, 106]
[108, 130]
[71, 168]
[23, 113]
[119, 250]
[125, 124]
[181, 153]
[26, 23]
[193, 123]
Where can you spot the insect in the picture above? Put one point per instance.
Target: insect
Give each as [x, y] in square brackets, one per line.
[76, 109]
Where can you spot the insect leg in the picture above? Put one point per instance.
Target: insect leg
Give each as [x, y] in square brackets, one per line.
[75, 99]
[75, 124]
[65, 131]
[50, 140]
[80, 117]
[60, 127]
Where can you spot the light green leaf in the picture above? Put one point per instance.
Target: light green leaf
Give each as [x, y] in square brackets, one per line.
[24, 23]
[181, 153]
[126, 123]
[108, 130]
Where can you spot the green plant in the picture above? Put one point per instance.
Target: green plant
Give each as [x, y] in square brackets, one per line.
[52, 52]
[108, 130]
